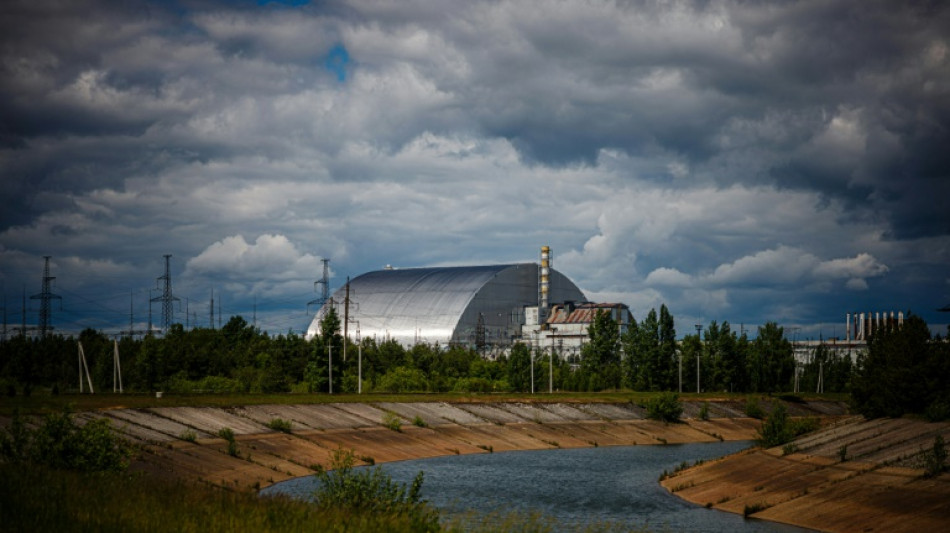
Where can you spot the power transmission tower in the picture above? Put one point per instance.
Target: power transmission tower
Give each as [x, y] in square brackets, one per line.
[44, 297]
[167, 299]
[325, 290]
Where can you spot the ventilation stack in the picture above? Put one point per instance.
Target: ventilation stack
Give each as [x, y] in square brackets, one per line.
[543, 302]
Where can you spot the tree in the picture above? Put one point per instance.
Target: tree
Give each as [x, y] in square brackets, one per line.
[666, 352]
[902, 372]
[600, 356]
[519, 368]
[773, 361]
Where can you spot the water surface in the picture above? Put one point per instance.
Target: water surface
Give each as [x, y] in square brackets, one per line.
[576, 487]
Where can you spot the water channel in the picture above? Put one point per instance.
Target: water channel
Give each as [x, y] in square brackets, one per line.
[575, 487]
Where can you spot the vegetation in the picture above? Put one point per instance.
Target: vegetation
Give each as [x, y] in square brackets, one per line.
[665, 407]
[392, 421]
[372, 491]
[753, 409]
[228, 435]
[704, 411]
[279, 424]
[123, 502]
[935, 461]
[62, 444]
[905, 370]
[240, 359]
[778, 429]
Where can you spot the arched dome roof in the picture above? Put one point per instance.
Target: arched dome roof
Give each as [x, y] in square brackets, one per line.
[442, 305]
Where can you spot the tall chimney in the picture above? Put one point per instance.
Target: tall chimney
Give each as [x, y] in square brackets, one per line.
[545, 283]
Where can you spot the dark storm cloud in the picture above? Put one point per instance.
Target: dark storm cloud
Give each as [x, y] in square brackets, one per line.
[752, 159]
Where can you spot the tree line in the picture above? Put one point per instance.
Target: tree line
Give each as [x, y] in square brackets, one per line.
[240, 358]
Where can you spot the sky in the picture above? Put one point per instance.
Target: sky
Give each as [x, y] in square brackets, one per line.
[784, 161]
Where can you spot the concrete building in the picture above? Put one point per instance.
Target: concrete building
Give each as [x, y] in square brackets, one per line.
[566, 328]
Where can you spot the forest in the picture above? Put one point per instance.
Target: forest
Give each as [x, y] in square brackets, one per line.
[239, 358]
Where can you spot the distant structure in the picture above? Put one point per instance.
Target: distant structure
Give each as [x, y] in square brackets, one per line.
[167, 298]
[45, 296]
[325, 290]
[566, 328]
[481, 307]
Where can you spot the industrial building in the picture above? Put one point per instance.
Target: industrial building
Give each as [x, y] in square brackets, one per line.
[482, 307]
[565, 329]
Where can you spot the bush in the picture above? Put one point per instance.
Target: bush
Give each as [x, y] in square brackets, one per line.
[666, 407]
[228, 435]
[935, 461]
[419, 422]
[392, 421]
[704, 411]
[371, 490]
[188, 435]
[402, 379]
[753, 409]
[61, 444]
[279, 424]
[775, 430]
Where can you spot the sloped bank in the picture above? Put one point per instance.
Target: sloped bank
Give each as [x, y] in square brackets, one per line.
[183, 442]
[851, 476]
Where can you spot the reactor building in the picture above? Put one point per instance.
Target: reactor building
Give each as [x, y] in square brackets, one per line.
[482, 307]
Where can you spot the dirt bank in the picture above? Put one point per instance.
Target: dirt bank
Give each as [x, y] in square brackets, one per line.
[852, 476]
[182, 442]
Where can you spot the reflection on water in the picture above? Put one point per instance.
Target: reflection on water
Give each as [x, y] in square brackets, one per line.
[575, 487]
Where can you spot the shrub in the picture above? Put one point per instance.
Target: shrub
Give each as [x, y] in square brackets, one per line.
[753, 409]
[61, 444]
[392, 421]
[938, 410]
[789, 448]
[843, 453]
[402, 379]
[188, 435]
[665, 407]
[704, 411]
[935, 461]
[228, 435]
[371, 490]
[279, 424]
[418, 421]
[774, 430]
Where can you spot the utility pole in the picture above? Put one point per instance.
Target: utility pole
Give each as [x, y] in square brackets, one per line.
[44, 297]
[346, 316]
[680, 358]
[167, 298]
[551, 365]
[699, 332]
[359, 360]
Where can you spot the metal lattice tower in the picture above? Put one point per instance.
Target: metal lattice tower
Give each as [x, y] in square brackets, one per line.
[44, 297]
[167, 299]
[325, 290]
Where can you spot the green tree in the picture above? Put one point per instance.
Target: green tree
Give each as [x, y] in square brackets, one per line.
[903, 371]
[773, 361]
[519, 368]
[600, 356]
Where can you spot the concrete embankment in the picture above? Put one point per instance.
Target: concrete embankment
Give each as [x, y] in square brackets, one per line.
[851, 476]
[183, 442]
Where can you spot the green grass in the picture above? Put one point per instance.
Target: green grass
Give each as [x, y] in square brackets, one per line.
[38, 499]
[42, 401]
